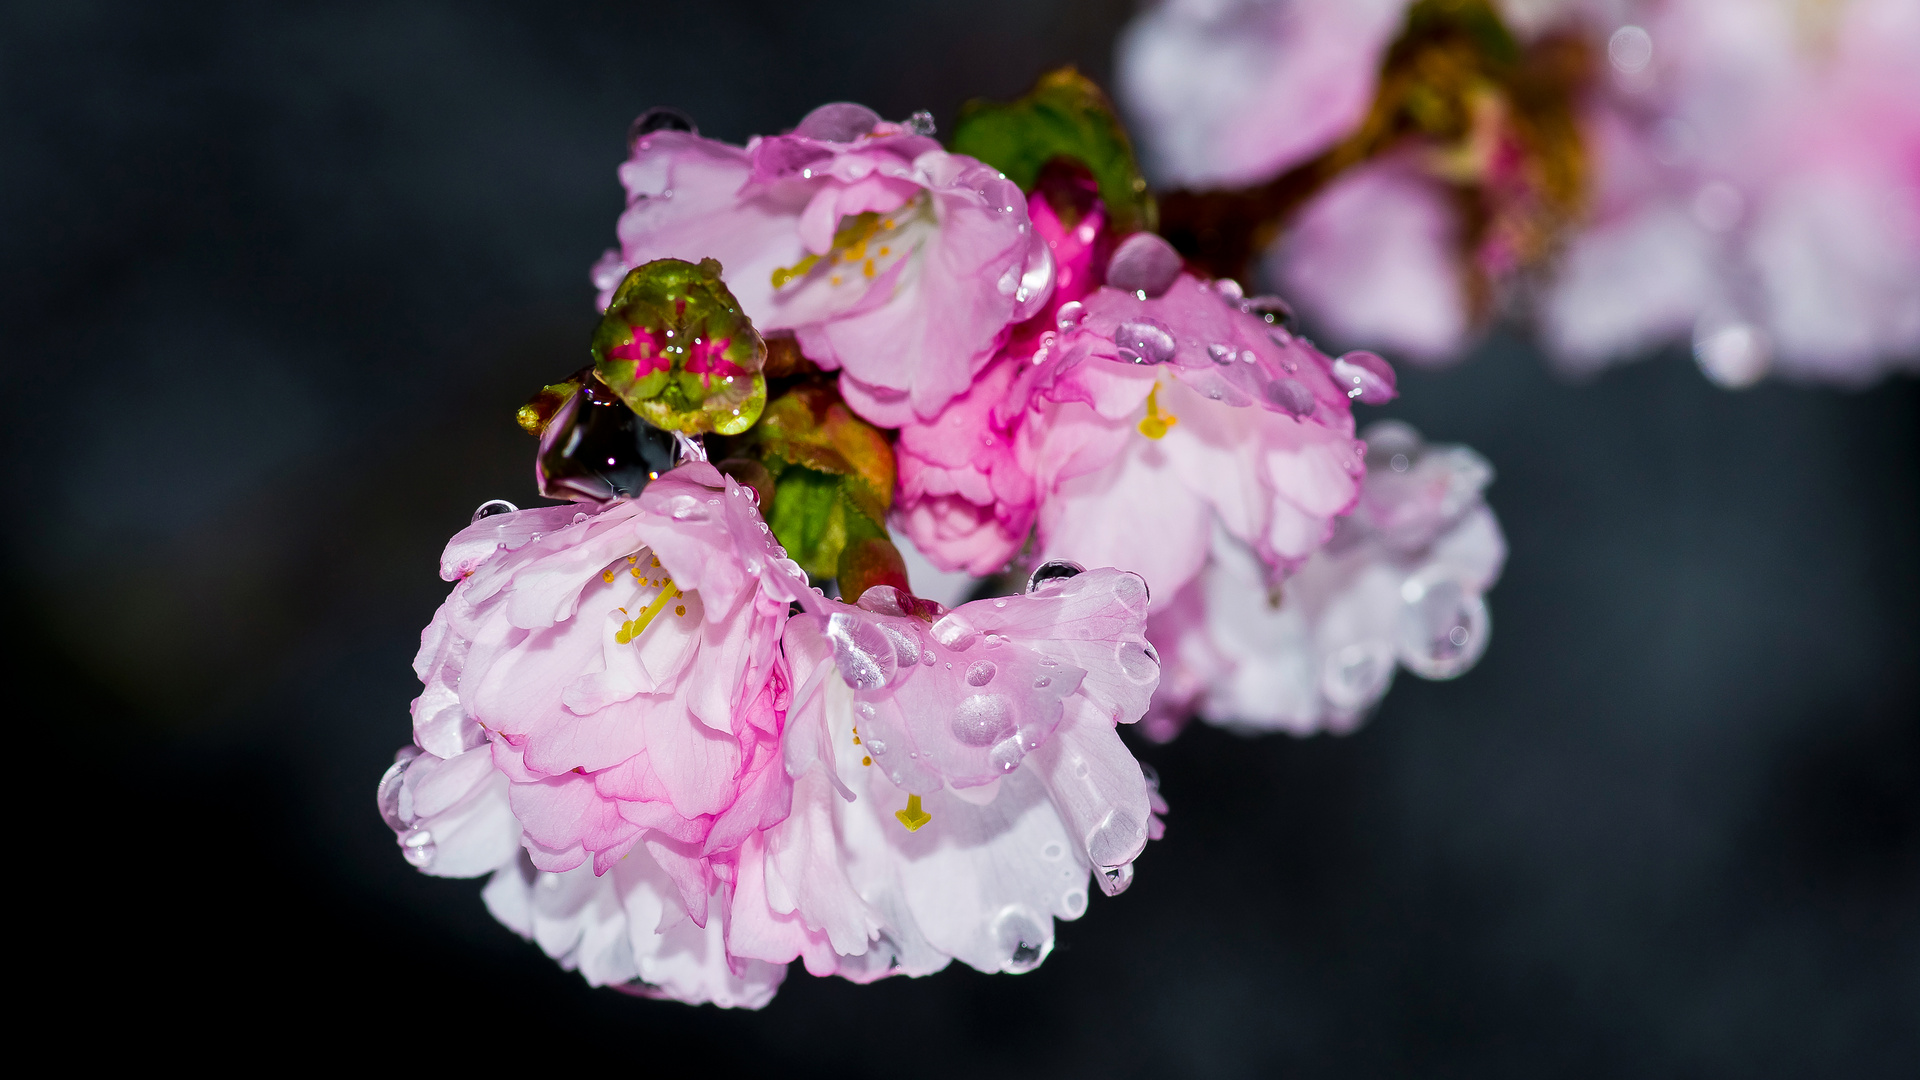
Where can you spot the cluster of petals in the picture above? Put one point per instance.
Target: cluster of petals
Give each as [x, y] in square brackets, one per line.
[956, 781]
[622, 723]
[1758, 191]
[1133, 422]
[1401, 584]
[891, 260]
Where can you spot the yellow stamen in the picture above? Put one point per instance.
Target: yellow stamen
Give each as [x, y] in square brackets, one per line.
[1155, 423]
[912, 817]
[849, 246]
[866, 761]
[632, 628]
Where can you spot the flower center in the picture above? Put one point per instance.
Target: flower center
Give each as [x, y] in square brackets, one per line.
[633, 627]
[864, 246]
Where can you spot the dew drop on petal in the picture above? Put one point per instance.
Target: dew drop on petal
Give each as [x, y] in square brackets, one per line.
[1116, 840]
[660, 118]
[1137, 661]
[1355, 676]
[1052, 572]
[419, 848]
[1114, 879]
[491, 507]
[1443, 626]
[1291, 395]
[1069, 315]
[861, 651]
[1023, 940]
[1144, 340]
[1366, 377]
[981, 673]
[982, 719]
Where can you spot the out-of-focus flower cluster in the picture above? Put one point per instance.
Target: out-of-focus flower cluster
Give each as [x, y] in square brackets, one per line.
[1625, 173]
[697, 722]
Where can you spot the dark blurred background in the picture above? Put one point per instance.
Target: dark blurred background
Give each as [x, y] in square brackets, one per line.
[276, 278]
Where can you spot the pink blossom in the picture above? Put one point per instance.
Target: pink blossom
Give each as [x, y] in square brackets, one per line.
[890, 259]
[1759, 190]
[605, 687]
[1400, 584]
[1078, 430]
[621, 744]
[965, 496]
[1375, 258]
[955, 782]
[1226, 93]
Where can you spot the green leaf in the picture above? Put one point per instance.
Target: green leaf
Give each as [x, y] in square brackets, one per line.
[815, 519]
[1064, 116]
[678, 349]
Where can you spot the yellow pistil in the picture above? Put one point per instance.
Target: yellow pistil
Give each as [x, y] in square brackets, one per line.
[632, 628]
[1155, 423]
[913, 817]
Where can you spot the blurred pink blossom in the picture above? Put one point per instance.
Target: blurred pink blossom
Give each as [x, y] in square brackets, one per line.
[1758, 190]
[1400, 584]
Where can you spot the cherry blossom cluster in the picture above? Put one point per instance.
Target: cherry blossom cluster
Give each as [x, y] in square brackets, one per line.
[904, 475]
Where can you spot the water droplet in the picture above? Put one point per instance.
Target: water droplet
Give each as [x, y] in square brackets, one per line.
[686, 508]
[1114, 879]
[1069, 315]
[1221, 353]
[1075, 903]
[1117, 839]
[981, 720]
[955, 632]
[1229, 290]
[1007, 755]
[394, 807]
[1630, 50]
[660, 118]
[1143, 264]
[1366, 377]
[1137, 660]
[1399, 463]
[1023, 940]
[580, 518]
[921, 123]
[1052, 572]
[1052, 852]
[1734, 355]
[1042, 683]
[418, 848]
[1443, 626]
[1292, 396]
[1144, 340]
[981, 673]
[839, 121]
[491, 507]
[905, 645]
[861, 651]
[1270, 309]
[1355, 676]
[878, 746]
[597, 449]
